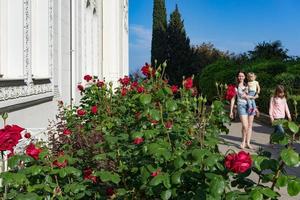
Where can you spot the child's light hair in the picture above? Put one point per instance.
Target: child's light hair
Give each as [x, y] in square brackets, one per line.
[249, 74]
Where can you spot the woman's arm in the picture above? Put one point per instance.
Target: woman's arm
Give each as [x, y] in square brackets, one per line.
[258, 88]
[232, 101]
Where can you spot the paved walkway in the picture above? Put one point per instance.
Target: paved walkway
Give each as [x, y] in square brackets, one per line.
[260, 139]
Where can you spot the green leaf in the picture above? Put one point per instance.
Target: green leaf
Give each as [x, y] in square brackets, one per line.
[269, 193]
[178, 162]
[101, 156]
[165, 195]
[293, 127]
[166, 181]
[282, 181]
[138, 134]
[107, 176]
[176, 178]
[256, 195]
[293, 188]
[290, 157]
[62, 173]
[145, 99]
[149, 133]
[33, 170]
[28, 196]
[144, 174]
[155, 114]
[217, 187]
[156, 180]
[168, 90]
[171, 105]
[198, 154]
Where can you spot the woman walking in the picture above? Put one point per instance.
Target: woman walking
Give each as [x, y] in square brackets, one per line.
[242, 108]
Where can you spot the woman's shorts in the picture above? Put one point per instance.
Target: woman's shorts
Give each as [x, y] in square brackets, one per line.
[243, 110]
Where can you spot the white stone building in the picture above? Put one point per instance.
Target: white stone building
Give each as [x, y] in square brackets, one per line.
[47, 46]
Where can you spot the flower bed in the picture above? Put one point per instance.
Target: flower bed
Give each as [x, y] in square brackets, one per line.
[145, 140]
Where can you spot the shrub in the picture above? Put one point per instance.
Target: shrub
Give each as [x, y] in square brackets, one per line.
[140, 142]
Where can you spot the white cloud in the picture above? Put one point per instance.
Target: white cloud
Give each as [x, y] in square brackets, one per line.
[142, 37]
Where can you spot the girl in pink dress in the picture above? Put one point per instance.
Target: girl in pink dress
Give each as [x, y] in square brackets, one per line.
[279, 108]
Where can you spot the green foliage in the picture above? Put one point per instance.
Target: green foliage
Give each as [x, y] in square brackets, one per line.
[143, 145]
[159, 32]
[179, 52]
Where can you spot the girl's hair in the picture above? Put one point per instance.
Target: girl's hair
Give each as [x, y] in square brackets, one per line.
[237, 75]
[280, 89]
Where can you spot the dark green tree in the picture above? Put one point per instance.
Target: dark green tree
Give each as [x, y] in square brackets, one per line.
[159, 32]
[179, 52]
[269, 51]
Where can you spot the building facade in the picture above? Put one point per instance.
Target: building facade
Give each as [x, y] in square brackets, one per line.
[47, 46]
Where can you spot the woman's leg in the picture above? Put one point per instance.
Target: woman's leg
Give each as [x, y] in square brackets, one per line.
[244, 120]
[249, 130]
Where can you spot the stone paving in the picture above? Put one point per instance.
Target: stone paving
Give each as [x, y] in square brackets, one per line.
[260, 139]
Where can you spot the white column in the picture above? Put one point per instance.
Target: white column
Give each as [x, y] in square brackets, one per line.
[11, 40]
[40, 39]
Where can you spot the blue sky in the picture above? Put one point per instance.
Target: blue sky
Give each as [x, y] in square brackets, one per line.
[234, 25]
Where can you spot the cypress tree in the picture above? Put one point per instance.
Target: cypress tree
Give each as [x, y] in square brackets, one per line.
[159, 32]
[179, 52]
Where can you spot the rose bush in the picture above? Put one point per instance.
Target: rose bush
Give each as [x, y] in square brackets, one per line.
[158, 142]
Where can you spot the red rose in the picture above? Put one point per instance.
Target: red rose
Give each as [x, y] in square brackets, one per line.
[67, 131]
[60, 164]
[153, 122]
[138, 140]
[230, 92]
[100, 84]
[9, 137]
[80, 88]
[94, 109]
[188, 83]
[125, 80]
[168, 124]
[81, 112]
[33, 151]
[238, 163]
[134, 84]
[123, 91]
[153, 174]
[87, 175]
[87, 78]
[138, 115]
[110, 191]
[174, 89]
[147, 70]
[27, 135]
[140, 89]
[189, 142]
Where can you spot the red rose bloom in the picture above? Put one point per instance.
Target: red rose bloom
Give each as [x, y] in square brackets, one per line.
[9, 137]
[123, 91]
[153, 174]
[147, 70]
[27, 135]
[67, 131]
[140, 89]
[238, 163]
[87, 78]
[125, 80]
[80, 88]
[100, 84]
[60, 164]
[168, 124]
[188, 83]
[81, 112]
[230, 92]
[134, 84]
[87, 175]
[174, 89]
[33, 151]
[110, 191]
[94, 109]
[138, 140]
